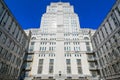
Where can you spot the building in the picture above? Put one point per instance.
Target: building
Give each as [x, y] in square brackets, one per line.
[13, 45]
[93, 66]
[26, 65]
[60, 48]
[28, 57]
[106, 45]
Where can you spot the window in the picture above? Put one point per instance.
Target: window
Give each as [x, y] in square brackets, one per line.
[26, 74]
[115, 53]
[8, 43]
[15, 71]
[0, 33]
[79, 66]
[39, 69]
[94, 74]
[88, 48]
[118, 11]
[18, 61]
[68, 69]
[33, 38]
[4, 38]
[65, 48]
[50, 69]
[13, 58]
[18, 50]
[32, 43]
[68, 65]
[114, 17]
[1, 65]
[10, 25]
[77, 55]
[49, 48]
[87, 43]
[13, 46]
[110, 56]
[51, 54]
[40, 61]
[40, 66]
[86, 38]
[80, 70]
[92, 64]
[119, 33]
[41, 55]
[51, 61]
[68, 61]
[1, 9]
[5, 19]
[29, 57]
[28, 65]
[103, 63]
[69, 78]
[9, 56]
[90, 56]
[110, 26]
[118, 65]
[5, 53]
[50, 78]
[51, 65]
[78, 61]
[52, 48]
[118, 48]
[40, 48]
[1, 49]
[31, 48]
[14, 27]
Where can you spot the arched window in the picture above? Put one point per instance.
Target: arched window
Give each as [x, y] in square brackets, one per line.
[33, 38]
[86, 38]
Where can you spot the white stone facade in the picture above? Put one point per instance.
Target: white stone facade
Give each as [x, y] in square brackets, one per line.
[58, 44]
